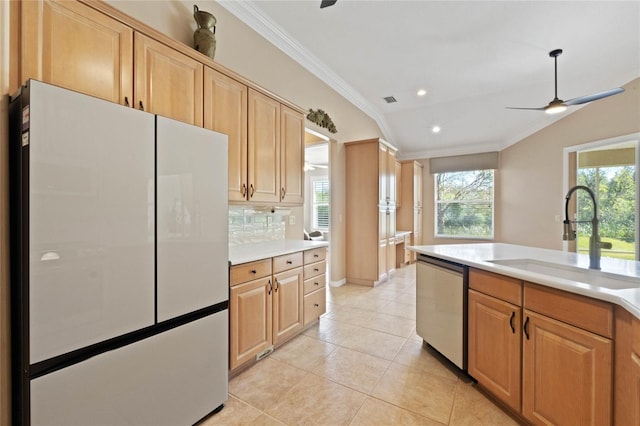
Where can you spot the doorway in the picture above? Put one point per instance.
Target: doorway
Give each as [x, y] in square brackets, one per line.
[609, 168]
[317, 188]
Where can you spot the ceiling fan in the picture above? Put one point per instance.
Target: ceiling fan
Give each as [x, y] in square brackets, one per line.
[327, 3]
[558, 105]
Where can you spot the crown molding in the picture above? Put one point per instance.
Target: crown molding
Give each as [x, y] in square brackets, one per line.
[252, 16]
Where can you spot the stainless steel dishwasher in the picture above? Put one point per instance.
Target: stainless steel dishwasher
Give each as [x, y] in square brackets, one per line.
[441, 307]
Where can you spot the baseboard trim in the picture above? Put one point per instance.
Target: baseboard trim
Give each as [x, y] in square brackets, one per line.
[338, 283]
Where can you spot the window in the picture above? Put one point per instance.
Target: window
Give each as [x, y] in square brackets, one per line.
[464, 204]
[320, 204]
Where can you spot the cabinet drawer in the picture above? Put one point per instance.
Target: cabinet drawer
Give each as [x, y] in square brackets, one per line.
[314, 305]
[581, 311]
[314, 283]
[315, 269]
[315, 255]
[504, 288]
[287, 261]
[249, 271]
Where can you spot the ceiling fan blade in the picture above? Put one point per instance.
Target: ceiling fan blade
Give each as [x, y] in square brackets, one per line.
[327, 3]
[533, 109]
[594, 97]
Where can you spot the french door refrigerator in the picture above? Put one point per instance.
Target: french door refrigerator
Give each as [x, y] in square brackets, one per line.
[119, 255]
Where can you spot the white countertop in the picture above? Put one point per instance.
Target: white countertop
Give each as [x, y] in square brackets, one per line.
[252, 252]
[480, 255]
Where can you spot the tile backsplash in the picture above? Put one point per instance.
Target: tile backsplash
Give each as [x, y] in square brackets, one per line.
[251, 224]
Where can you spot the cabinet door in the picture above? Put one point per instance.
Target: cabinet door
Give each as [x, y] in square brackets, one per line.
[383, 178]
[250, 315]
[566, 373]
[494, 347]
[225, 111]
[167, 82]
[263, 148]
[398, 178]
[73, 46]
[288, 292]
[292, 153]
[417, 185]
[382, 260]
[391, 177]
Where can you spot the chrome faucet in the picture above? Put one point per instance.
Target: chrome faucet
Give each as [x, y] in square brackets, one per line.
[594, 240]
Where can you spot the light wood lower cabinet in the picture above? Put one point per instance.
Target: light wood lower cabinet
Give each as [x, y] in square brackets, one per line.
[287, 304]
[566, 373]
[627, 369]
[272, 300]
[250, 316]
[495, 346]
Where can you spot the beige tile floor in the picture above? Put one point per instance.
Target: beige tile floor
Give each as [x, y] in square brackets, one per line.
[362, 364]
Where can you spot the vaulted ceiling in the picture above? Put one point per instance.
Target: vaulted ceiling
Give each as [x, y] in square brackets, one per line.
[473, 58]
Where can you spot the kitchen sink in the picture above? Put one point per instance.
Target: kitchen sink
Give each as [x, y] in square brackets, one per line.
[572, 273]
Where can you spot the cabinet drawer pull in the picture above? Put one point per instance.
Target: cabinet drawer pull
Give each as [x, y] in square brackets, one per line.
[316, 283]
[513, 328]
[275, 290]
[316, 255]
[243, 191]
[526, 328]
[316, 305]
[316, 270]
[270, 287]
[253, 271]
[289, 262]
[126, 101]
[282, 193]
[141, 106]
[251, 191]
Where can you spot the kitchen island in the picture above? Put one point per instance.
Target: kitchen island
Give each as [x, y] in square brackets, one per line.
[484, 256]
[555, 342]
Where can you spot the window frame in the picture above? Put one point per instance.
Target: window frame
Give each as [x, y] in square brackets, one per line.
[313, 222]
[437, 202]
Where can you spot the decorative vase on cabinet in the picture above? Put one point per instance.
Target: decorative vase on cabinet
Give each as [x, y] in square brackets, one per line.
[204, 38]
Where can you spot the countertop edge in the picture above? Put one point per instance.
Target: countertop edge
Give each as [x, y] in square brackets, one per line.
[259, 251]
[628, 299]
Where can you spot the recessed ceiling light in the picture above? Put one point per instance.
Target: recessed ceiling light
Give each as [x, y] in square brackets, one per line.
[435, 129]
[422, 92]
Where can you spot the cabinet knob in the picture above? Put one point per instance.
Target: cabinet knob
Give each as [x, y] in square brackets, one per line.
[316, 305]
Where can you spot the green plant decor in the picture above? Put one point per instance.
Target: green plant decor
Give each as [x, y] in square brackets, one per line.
[322, 119]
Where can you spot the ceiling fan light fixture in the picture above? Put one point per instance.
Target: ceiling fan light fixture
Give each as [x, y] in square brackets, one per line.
[555, 108]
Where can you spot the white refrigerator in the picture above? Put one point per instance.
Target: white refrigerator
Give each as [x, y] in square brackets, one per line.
[119, 259]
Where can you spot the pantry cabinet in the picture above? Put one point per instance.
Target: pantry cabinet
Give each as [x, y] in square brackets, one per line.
[370, 214]
[565, 370]
[410, 214]
[167, 82]
[71, 45]
[291, 156]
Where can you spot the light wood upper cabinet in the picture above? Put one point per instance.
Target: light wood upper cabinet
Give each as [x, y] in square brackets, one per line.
[167, 82]
[410, 215]
[398, 178]
[566, 373]
[494, 346]
[73, 46]
[263, 148]
[225, 111]
[292, 153]
[391, 177]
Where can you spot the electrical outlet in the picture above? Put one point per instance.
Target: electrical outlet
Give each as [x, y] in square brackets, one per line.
[292, 220]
